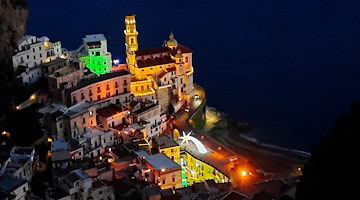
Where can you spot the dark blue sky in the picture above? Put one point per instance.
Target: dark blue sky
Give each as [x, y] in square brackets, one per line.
[289, 67]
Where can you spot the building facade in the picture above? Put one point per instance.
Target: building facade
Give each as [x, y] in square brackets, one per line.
[165, 72]
[94, 54]
[114, 87]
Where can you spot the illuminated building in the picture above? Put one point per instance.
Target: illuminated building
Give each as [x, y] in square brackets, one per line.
[169, 147]
[94, 54]
[114, 87]
[112, 116]
[159, 169]
[197, 170]
[31, 52]
[165, 72]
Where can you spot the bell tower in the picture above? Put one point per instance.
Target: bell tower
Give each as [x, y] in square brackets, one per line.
[131, 41]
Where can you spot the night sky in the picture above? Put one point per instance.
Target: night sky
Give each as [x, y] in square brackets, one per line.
[288, 67]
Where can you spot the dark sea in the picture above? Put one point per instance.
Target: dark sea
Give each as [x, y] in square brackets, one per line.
[288, 67]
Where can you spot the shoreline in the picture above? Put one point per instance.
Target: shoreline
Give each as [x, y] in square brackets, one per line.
[269, 158]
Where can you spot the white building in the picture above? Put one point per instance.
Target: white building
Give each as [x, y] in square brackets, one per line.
[13, 188]
[31, 52]
[78, 118]
[95, 141]
[60, 154]
[76, 183]
[149, 112]
[79, 185]
[93, 52]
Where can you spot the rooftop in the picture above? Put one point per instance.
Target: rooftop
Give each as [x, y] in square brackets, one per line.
[51, 108]
[60, 145]
[109, 111]
[53, 62]
[94, 38]
[158, 161]
[164, 141]
[9, 184]
[78, 108]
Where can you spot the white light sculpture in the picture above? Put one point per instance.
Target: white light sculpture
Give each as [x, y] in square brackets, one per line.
[198, 144]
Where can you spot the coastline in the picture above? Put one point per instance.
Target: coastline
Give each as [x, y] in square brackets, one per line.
[269, 158]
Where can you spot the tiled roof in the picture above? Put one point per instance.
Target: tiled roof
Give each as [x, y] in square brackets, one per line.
[142, 52]
[109, 110]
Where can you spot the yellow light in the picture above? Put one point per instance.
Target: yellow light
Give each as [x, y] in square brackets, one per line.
[33, 97]
[162, 170]
[17, 107]
[49, 140]
[243, 173]
[299, 169]
[3, 133]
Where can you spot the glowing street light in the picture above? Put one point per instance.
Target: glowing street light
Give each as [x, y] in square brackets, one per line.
[243, 173]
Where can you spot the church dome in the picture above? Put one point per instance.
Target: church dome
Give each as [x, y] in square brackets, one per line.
[171, 43]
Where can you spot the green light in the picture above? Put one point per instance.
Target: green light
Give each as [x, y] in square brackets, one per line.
[97, 64]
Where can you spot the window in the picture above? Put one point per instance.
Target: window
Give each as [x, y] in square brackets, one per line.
[33, 49]
[116, 92]
[91, 122]
[125, 90]
[163, 181]
[40, 55]
[84, 120]
[104, 140]
[125, 82]
[107, 94]
[148, 87]
[40, 48]
[27, 56]
[116, 85]
[24, 189]
[82, 96]
[74, 123]
[90, 93]
[107, 87]
[98, 89]
[173, 179]
[186, 59]
[91, 112]
[60, 125]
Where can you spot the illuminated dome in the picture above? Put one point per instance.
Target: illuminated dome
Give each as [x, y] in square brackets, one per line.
[171, 43]
[178, 54]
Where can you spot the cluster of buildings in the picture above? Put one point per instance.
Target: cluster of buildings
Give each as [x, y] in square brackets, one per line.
[108, 127]
[17, 168]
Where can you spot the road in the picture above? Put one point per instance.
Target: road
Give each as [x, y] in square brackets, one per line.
[251, 156]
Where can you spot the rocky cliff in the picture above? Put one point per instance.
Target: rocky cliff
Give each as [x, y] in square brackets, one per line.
[13, 16]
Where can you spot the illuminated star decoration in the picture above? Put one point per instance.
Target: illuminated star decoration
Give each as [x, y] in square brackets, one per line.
[185, 137]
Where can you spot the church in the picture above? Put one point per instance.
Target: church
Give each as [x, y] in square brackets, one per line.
[163, 75]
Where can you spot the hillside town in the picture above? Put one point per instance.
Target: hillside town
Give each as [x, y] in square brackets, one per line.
[134, 130]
